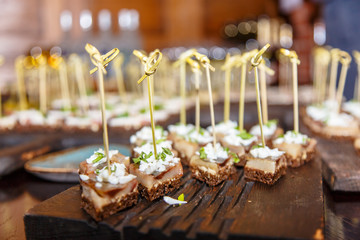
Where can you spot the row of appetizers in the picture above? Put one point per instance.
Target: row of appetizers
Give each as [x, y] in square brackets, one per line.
[120, 116]
[110, 187]
[327, 120]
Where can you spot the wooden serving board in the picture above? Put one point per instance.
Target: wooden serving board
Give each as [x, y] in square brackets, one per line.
[341, 165]
[291, 209]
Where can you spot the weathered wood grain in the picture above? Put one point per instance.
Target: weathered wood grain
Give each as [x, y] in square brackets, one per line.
[341, 165]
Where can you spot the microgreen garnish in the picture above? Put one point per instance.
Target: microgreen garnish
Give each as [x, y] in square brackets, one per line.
[99, 156]
[160, 141]
[143, 157]
[143, 110]
[158, 107]
[181, 197]
[114, 169]
[271, 122]
[226, 149]
[97, 171]
[257, 146]
[125, 114]
[163, 154]
[202, 153]
[109, 106]
[281, 136]
[235, 157]
[167, 151]
[245, 135]
[201, 131]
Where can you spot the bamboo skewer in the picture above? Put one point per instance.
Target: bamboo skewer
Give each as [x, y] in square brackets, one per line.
[333, 72]
[205, 62]
[1, 63]
[294, 61]
[80, 81]
[263, 89]
[196, 69]
[101, 61]
[42, 84]
[243, 60]
[118, 62]
[255, 61]
[19, 61]
[182, 64]
[356, 55]
[230, 62]
[151, 64]
[345, 60]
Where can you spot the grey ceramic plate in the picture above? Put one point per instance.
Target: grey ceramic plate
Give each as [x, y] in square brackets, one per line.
[63, 166]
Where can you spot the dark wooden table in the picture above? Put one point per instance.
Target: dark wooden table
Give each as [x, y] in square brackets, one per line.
[21, 191]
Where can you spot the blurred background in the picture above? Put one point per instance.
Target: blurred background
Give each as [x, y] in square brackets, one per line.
[216, 26]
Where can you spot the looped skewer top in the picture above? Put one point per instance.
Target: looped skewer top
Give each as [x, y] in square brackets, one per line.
[256, 60]
[97, 58]
[356, 55]
[184, 56]
[204, 60]
[335, 53]
[290, 54]
[143, 58]
[151, 62]
[193, 64]
[344, 58]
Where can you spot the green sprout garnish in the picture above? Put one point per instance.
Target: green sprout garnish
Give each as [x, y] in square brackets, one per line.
[163, 154]
[257, 146]
[202, 153]
[271, 122]
[97, 171]
[109, 106]
[143, 110]
[143, 157]
[158, 107]
[245, 135]
[181, 197]
[160, 141]
[125, 114]
[235, 157]
[114, 169]
[99, 156]
[167, 151]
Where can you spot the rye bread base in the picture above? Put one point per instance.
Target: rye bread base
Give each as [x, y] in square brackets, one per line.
[261, 176]
[160, 190]
[211, 179]
[99, 214]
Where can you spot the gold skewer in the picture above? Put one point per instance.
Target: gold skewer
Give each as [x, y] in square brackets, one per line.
[295, 61]
[151, 64]
[345, 60]
[205, 62]
[255, 61]
[101, 61]
[182, 63]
